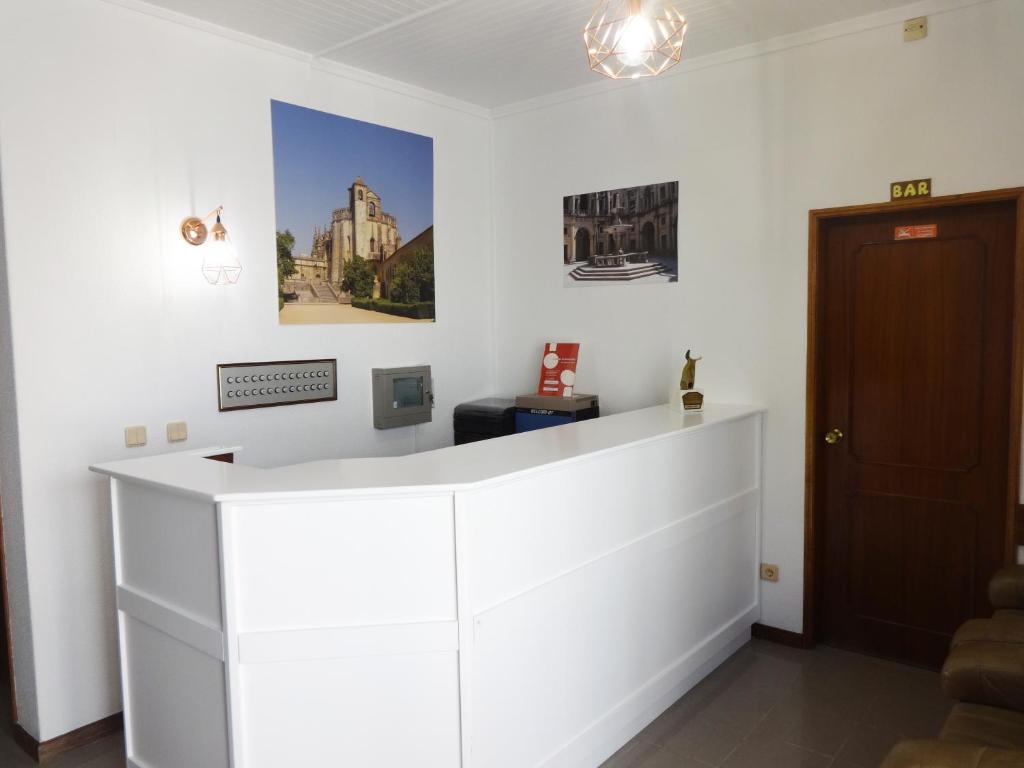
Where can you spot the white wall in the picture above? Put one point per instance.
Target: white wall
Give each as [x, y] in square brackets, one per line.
[114, 125]
[755, 144]
[14, 554]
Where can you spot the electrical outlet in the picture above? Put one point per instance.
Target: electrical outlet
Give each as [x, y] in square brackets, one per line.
[915, 29]
[769, 572]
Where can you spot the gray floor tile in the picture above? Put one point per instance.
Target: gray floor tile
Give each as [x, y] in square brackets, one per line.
[702, 739]
[760, 753]
[776, 707]
[105, 753]
[866, 746]
[108, 751]
[914, 711]
[11, 755]
[642, 754]
[798, 721]
[742, 705]
[768, 706]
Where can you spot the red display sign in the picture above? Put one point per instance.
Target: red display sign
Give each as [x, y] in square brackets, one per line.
[917, 231]
[558, 369]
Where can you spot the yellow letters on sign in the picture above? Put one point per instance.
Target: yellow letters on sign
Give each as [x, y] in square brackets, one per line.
[903, 190]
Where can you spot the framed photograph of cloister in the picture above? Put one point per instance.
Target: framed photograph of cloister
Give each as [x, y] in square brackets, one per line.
[622, 236]
[354, 217]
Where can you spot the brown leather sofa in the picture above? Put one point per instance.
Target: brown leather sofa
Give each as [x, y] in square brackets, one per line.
[938, 754]
[1006, 591]
[984, 672]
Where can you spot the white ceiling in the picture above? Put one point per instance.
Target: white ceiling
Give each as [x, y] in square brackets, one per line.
[494, 52]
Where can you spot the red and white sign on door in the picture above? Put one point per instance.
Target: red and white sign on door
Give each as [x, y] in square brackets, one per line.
[917, 231]
[558, 369]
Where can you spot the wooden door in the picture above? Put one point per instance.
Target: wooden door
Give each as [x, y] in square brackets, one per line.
[914, 363]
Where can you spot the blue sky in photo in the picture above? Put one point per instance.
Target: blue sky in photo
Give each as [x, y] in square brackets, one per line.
[318, 155]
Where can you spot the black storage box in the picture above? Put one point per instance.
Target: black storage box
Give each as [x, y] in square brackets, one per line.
[484, 419]
[541, 411]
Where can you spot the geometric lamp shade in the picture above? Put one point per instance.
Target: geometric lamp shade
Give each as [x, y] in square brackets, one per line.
[634, 38]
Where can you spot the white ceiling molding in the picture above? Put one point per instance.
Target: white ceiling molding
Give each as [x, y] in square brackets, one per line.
[209, 27]
[322, 65]
[335, 14]
[400, 21]
[853, 26]
[399, 86]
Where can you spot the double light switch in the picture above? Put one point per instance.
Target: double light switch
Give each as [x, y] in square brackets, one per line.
[177, 432]
[134, 437]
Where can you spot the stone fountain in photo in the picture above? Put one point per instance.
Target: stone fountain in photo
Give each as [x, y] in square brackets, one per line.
[617, 265]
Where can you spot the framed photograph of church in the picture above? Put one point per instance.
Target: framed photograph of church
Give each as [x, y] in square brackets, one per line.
[355, 219]
[621, 236]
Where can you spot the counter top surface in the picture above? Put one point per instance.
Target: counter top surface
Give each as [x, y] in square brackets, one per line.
[442, 470]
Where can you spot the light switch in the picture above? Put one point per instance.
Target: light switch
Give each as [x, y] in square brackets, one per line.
[134, 437]
[177, 432]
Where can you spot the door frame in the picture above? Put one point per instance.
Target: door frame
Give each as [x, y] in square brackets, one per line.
[814, 502]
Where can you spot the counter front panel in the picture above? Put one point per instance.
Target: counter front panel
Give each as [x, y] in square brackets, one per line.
[527, 602]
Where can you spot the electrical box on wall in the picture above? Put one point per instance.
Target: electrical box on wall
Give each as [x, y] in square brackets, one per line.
[402, 396]
[915, 29]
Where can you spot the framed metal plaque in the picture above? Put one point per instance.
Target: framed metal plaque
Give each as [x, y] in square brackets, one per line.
[264, 385]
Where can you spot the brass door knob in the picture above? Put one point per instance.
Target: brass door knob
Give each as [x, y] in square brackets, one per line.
[833, 436]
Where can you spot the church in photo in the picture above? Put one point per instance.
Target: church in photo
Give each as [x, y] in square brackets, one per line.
[363, 228]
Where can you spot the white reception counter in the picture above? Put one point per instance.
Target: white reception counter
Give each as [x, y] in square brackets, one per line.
[533, 600]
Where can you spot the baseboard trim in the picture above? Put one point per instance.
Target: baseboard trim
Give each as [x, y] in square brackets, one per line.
[610, 731]
[87, 734]
[780, 636]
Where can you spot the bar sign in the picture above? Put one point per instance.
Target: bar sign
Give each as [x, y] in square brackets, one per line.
[909, 190]
[917, 232]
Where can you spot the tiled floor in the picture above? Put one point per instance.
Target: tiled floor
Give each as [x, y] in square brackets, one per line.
[106, 753]
[775, 707]
[768, 706]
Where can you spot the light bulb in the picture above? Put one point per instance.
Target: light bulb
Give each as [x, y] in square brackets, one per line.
[220, 262]
[635, 41]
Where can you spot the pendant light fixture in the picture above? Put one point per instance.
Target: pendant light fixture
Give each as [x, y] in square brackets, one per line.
[634, 38]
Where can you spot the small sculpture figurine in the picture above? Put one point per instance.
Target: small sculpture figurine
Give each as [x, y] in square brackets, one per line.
[689, 371]
[692, 399]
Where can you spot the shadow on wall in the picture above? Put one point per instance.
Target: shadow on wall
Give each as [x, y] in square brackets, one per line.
[16, 629]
